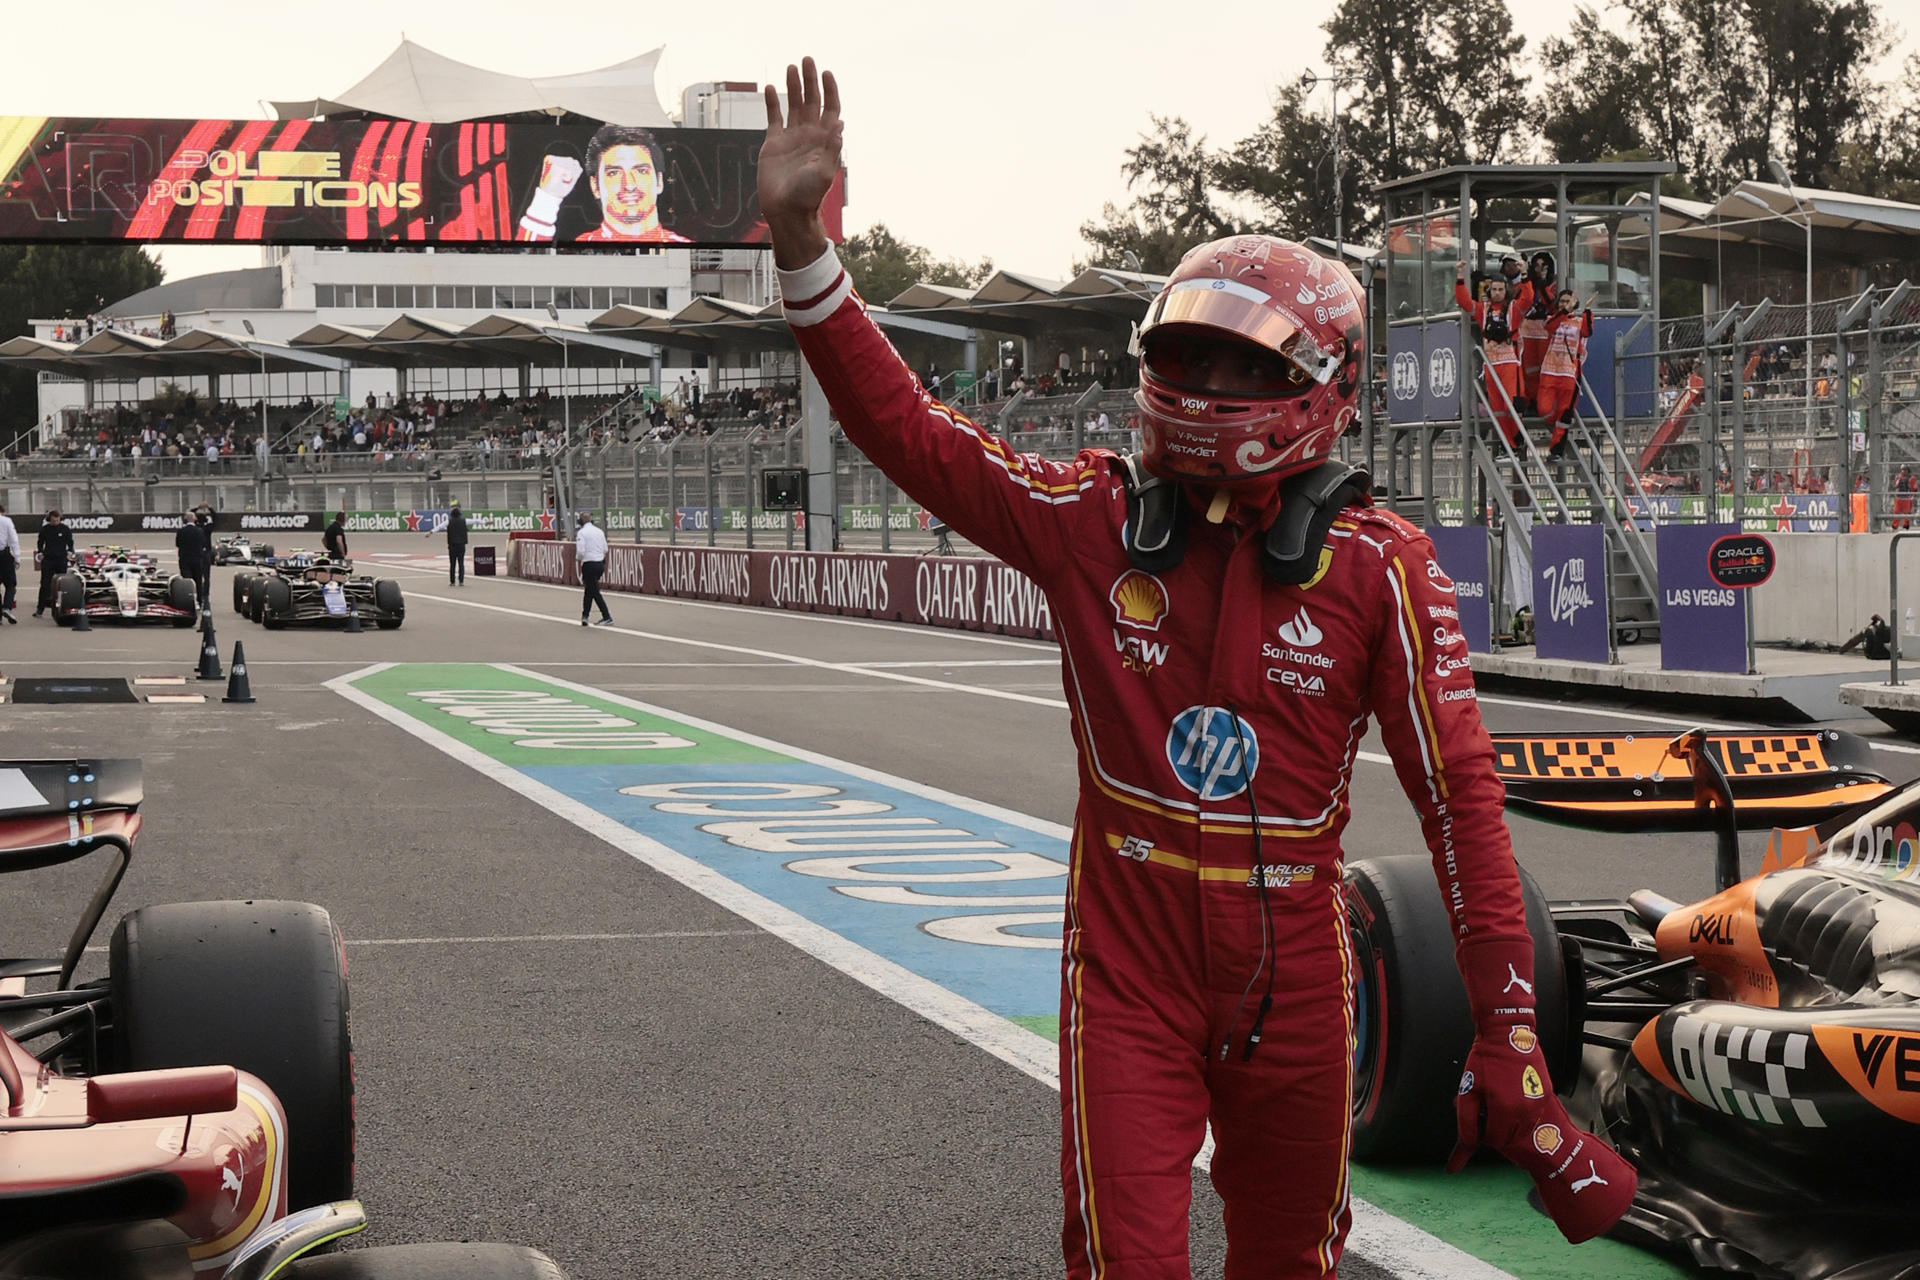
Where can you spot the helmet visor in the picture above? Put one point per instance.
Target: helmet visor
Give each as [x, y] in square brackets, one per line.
[1223, 337]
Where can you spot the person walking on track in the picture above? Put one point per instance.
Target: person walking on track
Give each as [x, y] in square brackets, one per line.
[456, 547]
[190, 540]
[54, 550]
[9, 565]
[1231, 610]
[590, 553]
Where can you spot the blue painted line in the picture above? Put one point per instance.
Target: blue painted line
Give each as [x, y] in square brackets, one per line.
[1009, 979]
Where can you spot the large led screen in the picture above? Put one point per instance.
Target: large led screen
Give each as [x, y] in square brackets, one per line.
[373, 181]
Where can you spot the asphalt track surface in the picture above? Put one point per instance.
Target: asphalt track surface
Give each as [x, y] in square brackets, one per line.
[560, 1047]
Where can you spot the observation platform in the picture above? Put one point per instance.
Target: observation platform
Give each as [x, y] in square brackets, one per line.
[1790, 685]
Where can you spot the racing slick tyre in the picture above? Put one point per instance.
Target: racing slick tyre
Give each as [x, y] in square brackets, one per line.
[392, 606]
[69, 598]
[1412, 1027]
[275, 604]
[261, 986]
[181, 595]
[262, 553]
[429, 1262]
[240, 587]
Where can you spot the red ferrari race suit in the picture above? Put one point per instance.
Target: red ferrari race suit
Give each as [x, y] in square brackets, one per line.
[1184, 687]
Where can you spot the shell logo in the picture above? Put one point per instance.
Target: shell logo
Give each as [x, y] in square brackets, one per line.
[1139, 600]
[1522, 1039]
[1546, 1139]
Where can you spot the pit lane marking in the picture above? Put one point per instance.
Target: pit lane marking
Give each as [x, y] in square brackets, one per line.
[899, 628]
[845, 668]
[1378, 1237]
[660, 936]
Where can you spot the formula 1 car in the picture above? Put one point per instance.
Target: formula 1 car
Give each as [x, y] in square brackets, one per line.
[1755, 1055]
[98, 557]
[323, 591]
[127, 591]
[241, 549]
[161, 1122]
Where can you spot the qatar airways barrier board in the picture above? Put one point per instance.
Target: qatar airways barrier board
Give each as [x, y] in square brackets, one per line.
[379, 181]
[964, 592]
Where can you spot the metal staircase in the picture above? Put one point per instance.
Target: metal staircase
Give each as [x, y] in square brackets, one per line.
[1593, 481]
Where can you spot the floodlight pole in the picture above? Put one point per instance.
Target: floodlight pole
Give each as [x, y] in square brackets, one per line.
[1308, 79]
[1806, 220]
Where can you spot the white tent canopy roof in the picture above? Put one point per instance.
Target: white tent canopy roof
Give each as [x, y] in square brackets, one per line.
[415, 83]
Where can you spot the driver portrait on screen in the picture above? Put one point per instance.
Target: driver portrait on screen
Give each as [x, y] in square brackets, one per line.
[624, 172]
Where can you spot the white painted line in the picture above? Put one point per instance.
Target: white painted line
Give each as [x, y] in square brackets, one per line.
[902, 628]
[1378, 1237]
[962, 662]
[984, 691]
[561, 937]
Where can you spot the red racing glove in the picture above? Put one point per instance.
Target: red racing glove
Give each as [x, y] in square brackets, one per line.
[1507, 1102]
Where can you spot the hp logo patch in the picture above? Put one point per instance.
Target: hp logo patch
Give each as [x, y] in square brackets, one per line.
[1207, 753]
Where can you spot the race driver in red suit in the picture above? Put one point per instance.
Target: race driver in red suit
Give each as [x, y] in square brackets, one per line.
[1217, 711]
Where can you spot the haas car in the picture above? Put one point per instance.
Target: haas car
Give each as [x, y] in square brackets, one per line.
[1756, 1054]
[241, 550]
[98, 557]
[190, 1114]
[300, 591]
[125, 590]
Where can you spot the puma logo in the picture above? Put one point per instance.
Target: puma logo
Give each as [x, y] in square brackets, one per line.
[229, 1180]
[1593, 1176]
[1513, 980]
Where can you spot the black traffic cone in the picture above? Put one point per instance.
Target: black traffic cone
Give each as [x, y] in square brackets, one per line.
[209, 651]
[238, 690]
[80, 620]
[353, 621]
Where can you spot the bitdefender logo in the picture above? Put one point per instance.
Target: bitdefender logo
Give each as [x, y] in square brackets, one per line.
[1300, 631]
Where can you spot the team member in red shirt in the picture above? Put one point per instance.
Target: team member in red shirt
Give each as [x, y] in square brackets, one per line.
[626, 177]
[1231, 611]
[1495, 317]
[1560, 362]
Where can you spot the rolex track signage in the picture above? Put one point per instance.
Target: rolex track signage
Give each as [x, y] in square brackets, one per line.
[1742, 560]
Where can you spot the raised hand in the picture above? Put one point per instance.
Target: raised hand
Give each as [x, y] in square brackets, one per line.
[798, 163]
[558, 175]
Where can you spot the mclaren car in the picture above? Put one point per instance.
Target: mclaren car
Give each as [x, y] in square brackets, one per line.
[191, 1112]
[1755, 1054]
[317, 591]
[125, 590]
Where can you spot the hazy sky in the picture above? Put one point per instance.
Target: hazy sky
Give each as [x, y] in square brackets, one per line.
[980, 128]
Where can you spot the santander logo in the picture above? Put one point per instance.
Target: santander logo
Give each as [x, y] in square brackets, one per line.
[1299, 630]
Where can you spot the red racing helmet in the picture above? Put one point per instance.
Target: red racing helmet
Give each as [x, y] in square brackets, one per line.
[1249, 363]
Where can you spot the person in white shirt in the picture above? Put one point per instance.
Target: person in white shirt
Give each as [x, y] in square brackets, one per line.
[590, 553]
[9, 564]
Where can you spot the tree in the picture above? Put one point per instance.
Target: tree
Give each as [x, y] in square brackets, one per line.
[1124, 239]
[1596, 96]
[883, 266]
[59, 281]
[1176, 204]
[1284, 172]
[1434, 83]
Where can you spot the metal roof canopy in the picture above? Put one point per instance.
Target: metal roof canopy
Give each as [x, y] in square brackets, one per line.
[1847, 228]
[1504, 181]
